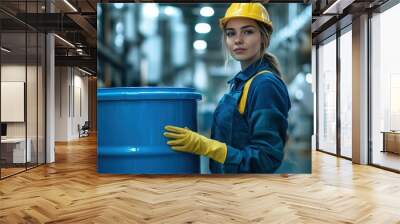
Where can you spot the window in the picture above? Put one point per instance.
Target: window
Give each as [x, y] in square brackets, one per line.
[385, 89]
[346, 93]
[327, 96]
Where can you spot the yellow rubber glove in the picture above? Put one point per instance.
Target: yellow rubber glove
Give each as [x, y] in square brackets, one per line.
[185, 140]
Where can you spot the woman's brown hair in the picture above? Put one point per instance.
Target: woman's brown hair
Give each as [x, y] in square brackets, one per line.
[266, 32]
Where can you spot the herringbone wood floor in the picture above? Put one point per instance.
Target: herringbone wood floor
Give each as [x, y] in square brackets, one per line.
[70, 191]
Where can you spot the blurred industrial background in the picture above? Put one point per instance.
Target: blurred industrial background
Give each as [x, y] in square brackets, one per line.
[150, 44]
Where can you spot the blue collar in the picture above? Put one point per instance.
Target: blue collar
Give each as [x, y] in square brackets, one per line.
[251, 70]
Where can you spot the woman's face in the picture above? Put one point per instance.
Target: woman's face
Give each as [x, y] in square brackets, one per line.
[243, 40]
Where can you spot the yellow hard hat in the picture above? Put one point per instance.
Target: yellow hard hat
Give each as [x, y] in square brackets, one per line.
[254, 11]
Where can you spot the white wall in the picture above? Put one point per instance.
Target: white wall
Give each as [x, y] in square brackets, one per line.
[14, 73]
[17, 73]
[71, 94]
[33, 127]
[61, 103]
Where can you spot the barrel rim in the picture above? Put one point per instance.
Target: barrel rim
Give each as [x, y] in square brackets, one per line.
[146, 93]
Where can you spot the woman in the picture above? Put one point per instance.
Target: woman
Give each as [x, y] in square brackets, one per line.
[250, 122]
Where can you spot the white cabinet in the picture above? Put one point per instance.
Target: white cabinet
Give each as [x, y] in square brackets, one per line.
[18, 149]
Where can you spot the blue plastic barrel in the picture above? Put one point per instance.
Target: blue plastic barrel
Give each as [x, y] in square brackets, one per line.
[130, 122]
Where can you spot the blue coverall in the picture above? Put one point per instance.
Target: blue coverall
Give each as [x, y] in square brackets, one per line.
[255, 140]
